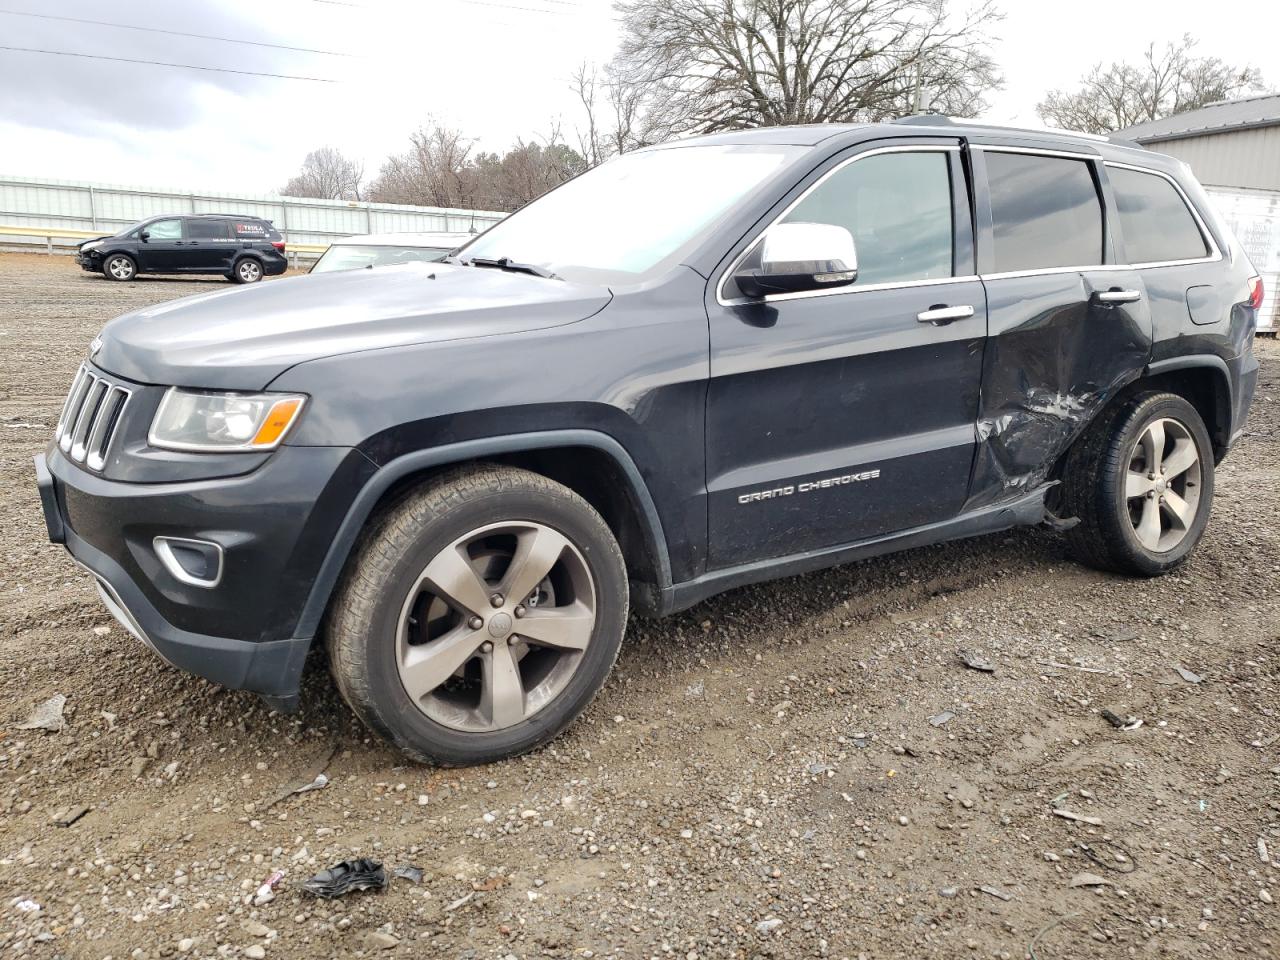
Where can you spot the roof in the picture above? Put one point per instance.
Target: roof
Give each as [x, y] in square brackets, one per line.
[1224, 116]
[449, 240]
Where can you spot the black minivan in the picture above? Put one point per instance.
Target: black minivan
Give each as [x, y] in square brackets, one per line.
[242, 249]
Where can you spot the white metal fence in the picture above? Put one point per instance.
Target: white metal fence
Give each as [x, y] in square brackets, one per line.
[31, 202]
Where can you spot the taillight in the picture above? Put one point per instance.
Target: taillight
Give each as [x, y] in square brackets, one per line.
[279, 245]
[1255, 293]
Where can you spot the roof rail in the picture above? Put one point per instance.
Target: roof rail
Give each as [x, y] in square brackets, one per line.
[926, 119]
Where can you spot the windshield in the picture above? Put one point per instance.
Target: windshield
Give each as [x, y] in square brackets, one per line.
[344, 256]
[633, 215]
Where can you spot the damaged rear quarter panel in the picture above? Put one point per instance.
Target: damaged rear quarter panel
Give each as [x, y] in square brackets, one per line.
[1053, 359]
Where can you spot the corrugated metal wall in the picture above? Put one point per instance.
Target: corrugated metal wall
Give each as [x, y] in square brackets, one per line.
[1254, 217]
[1241, 158]
[32, 202]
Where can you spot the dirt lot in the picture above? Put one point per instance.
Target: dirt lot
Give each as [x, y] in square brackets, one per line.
[760, 777]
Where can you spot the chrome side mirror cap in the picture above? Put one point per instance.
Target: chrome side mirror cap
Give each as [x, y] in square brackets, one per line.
[800, 257]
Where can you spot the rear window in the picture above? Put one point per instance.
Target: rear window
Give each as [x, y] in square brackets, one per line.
[1154, 219]
[1045, 212]
[254, 230]
[207, 230]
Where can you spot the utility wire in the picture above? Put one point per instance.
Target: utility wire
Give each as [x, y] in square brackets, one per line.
[173, 33]
[163, 63]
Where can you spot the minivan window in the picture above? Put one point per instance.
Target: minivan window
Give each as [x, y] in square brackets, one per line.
[207, 230]
[1045, 212]
[1154, 219]
[898, 208]
[164, 230]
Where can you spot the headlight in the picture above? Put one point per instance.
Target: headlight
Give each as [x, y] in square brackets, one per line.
[91, 246]
[205, 421]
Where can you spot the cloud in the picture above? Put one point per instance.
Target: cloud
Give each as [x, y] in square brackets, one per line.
[91, 96]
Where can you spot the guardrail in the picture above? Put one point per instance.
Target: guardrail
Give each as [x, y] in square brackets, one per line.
[66, 233]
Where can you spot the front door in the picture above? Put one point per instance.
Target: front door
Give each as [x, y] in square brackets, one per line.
[839, 416]
[163, 249]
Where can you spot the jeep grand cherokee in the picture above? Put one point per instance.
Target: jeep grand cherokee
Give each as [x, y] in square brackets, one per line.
[698, 366]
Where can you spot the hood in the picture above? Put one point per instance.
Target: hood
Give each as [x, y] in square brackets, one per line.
[244, 338]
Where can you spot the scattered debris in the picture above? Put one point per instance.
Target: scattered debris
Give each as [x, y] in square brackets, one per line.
[1078, 817]
[1031, 948]
[1073, 666]
[1121, 723]
[66, 816]
[27, 906]
[817, 769]
[266, 893]
[255, 928]
[769, 925]
[380, 941]
[342, 878]
[941, 718]
[1120, 861]
[317, 780]
[488, 884]
[975, 661]
[905, 617]
[1263, 855]
[110, 718]
[407, 871]
[1187, 675]
[1265, 895]
[1088, 880]
[47, 716]
[462, 901]
[996, 892]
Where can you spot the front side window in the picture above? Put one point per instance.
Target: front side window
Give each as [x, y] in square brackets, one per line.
[898, 208]
[207, 230]
[635, 215]
[164, 230]
[1154, 219]
[1045, 212]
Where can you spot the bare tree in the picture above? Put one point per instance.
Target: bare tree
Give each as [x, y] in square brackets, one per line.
[706, 65]
[611, 110]
[328, 175]
[1166, 82]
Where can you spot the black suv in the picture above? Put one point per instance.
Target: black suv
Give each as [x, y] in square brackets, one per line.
[242, 249]
[698, 366]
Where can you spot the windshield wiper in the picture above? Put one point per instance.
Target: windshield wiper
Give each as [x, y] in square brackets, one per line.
[506, 263]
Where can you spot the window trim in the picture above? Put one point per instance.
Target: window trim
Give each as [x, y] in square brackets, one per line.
[1206, 234]
[728, 272]
[1092, 159]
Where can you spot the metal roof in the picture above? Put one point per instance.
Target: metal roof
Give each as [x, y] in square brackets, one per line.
[1224, 116]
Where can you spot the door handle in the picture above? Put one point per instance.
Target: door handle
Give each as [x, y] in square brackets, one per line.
[940, 314]
[1110, 297]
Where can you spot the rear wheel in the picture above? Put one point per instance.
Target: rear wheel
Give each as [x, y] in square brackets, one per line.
[246, 270]
[1141, 482]
[480, 616]
[119, 266]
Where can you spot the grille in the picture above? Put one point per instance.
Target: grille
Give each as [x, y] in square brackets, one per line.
[89, 418]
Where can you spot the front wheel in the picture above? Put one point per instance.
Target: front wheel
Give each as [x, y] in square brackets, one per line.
[480, 615]
[1141, 482]
[119, 266]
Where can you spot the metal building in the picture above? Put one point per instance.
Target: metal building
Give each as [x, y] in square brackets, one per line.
[1233, 147]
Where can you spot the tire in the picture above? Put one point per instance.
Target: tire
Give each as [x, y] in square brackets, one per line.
[246, 270]
[120, 267]
[389, 619]
[1108, 484]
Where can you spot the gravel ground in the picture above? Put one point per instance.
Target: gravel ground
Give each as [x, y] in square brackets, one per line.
[761, 777]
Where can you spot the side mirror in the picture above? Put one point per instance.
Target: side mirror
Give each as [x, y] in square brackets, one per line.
[144, 236]
[799, 257]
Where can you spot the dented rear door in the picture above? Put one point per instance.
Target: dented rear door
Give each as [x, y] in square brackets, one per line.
[1067, 325]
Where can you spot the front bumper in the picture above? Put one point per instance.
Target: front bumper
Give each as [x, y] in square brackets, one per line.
[89, 262]
[274, 526]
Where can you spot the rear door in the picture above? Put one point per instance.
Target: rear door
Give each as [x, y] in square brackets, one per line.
[1069, 322]
[209, 245]
[160, 246]
[845, 414]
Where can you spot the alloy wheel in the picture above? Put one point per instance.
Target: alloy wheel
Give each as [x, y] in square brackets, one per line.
[495, 626]
[121, 268]
[249, 270]
[1162, 485]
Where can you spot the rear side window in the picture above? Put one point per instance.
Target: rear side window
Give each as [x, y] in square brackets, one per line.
[1045, 212]
[207, 230]
[251, 230]
[897, 206]
[1154, 219]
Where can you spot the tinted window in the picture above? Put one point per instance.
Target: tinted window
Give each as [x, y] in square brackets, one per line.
[1154, 218]
[164, 230]
[251, 229]
[898, 208]
[1045, 212]
[207, 230]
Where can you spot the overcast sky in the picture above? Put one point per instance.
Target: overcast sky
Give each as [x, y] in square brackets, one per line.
[497, 69]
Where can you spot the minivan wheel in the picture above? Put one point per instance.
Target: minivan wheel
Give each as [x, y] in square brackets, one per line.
[479, 616]
[247, 270]
[119, 266]
[1141, 482]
